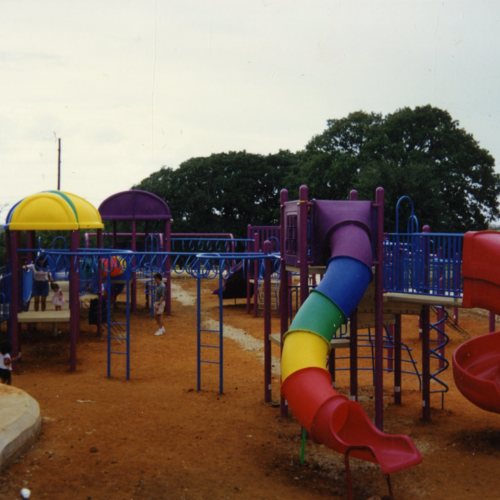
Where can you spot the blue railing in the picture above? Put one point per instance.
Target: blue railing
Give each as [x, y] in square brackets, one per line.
[423, 263]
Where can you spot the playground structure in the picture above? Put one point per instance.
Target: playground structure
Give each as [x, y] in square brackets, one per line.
[133, 207]
[314, 240]
[476, 363]
[340, 235]
[51, 210]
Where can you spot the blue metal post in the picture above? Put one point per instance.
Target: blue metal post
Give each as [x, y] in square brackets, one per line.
[198, 327]
[128, 285]
[221, 329]
[108, 312]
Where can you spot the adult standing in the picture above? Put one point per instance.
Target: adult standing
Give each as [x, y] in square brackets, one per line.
[41, 280]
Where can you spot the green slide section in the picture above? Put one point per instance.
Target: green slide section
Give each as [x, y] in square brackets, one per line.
[319, 315]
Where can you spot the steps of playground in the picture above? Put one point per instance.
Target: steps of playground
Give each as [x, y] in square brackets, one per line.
[20, 423]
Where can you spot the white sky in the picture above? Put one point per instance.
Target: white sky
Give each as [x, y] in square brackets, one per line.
[130, 86]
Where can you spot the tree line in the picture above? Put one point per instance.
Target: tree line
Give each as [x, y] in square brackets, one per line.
[420, 152]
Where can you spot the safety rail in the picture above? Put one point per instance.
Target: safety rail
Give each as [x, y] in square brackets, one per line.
[423, 263]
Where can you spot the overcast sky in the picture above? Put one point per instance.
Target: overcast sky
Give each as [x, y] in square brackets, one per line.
[130, 86]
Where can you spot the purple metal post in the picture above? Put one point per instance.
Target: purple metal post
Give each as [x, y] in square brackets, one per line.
[99, 244]
[492, 322]
[397, 360]
[256, 244]
[332, 358]
[167, 245]
[379, 311]
[353, 354]
[353, 337]
[426, 378]
[302, 236]
[248, 274]
[134, 278]
[12, 239]
[441, 316]
[284, 291]
[267, 247]
[74, 299]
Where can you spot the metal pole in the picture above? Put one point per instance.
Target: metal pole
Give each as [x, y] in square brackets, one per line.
[221, 329]
[58, 164]
[284, 290]
[248, 273]
[198, 327]
[134, 278]
[256, 246]
[379, 312]
[426, 377]
[492, 322]
[353, 353]
[13, 243]
[127, 320]
[109, 304]
[74, 298]
[99, 283]
[267, 325]
[167, 247]
[302, 222]
[397, 359]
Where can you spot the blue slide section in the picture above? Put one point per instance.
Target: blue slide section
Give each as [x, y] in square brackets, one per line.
[345, 283]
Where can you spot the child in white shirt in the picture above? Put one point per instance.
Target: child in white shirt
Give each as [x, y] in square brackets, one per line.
[57, 296]
[5, 363]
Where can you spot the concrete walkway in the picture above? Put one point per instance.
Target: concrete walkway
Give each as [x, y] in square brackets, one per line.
[20, 423]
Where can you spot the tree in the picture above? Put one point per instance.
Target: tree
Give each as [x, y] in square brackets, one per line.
[419, 152]
[223, 192]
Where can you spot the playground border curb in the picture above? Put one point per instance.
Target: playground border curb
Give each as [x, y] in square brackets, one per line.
[20, 423]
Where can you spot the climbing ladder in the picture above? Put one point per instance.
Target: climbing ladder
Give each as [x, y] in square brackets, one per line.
[209, 341]
[118, 332]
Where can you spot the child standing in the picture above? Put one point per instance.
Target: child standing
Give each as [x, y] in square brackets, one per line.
[159, 303]
[5, 363]
[57, 296]
[41, 280]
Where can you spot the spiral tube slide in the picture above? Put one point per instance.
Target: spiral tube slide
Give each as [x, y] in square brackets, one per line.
[329, 417]
[476, 363]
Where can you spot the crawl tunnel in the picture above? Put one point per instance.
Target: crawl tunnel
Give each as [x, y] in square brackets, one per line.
[329, 417]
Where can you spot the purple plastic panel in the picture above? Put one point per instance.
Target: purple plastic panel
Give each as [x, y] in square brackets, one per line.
[135, 204]
[291, 223]
[330, 215]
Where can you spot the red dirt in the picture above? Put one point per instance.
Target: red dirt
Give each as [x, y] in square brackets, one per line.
[156, 437]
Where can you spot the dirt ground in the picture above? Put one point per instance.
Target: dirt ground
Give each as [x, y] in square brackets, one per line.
[156, 437]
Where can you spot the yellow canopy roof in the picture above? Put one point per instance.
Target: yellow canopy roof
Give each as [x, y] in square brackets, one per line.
[53, 210]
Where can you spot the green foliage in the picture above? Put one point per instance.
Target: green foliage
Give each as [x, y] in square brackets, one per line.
[420, 152]
[223, 192]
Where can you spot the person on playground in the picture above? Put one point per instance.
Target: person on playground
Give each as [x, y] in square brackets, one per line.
[159, 303]
[57, 296]
[6, 363]
[41, 280]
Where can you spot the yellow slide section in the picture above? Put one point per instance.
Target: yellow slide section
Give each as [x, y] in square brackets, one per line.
[303, 349]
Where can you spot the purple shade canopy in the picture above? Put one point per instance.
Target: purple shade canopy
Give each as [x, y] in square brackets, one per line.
[134, 204]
